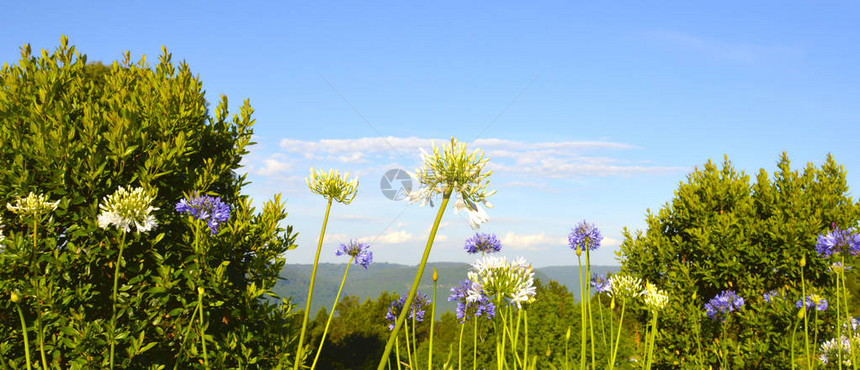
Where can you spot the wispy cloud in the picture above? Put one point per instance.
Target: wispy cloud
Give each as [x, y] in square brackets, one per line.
[738, 52]
[531, 242]
[520, 159]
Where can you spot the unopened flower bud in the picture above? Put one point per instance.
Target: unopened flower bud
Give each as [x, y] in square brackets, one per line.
[567, 336]
[435, 275]
[802, 261]
[15, 297]
[801, 313]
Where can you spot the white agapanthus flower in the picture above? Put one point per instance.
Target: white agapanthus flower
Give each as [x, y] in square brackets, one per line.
[33, 205]
[655, 298]
[332, 185]
[124, 208]
[494, 277]
[455, 172]
[624, 287]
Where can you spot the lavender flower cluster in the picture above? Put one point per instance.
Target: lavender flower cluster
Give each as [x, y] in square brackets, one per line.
[207, 208]
[838, 241]
[467, 309]
[585, 236]
[483, 243]
[599, 284]
[419, 307]
[725, 302]
[813, 301]
[358, 251]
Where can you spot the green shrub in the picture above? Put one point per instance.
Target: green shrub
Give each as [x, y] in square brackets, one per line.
[76, 132]
[720, 232]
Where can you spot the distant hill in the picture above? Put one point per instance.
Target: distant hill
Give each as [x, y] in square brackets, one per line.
[368, 284]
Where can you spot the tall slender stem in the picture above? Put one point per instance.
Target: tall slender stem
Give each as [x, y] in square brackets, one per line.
[583, 311]
[475, 344]
[432, 322]
[617, 338]
[328, 322]
[408, 347]
[460, 348]
[115, 283]
[202, 326]
[526, 340]
[400, 319]
[588, 301]
[805, 316]
[298, 359]
[24, 332]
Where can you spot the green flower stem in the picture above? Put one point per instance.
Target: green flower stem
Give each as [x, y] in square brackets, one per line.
[847, 315]
[611, 330]
[202, 326]
[408, 347]
[837, 329]
[723, 360]
[397, 351]
[432, 322]
[649, 345]
[460, 348]
[297, 361]
[414, 342]
[185, 336]
[328, 322]
[445, 198]
[602, 321]
[793, 332]
[588, 302]
[475, 344]
[40, 330]
[115, 283]
[566, 346]
[516, 338]
[583, 311]
[526, 340]
[618, 338]
[805, 316]
[24, 332]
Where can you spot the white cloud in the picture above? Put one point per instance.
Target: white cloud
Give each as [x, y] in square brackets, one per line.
[734, 52]
[531, 242]
[395, 237]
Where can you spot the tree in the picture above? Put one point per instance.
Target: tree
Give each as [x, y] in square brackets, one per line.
[719, 233]
[76, 132]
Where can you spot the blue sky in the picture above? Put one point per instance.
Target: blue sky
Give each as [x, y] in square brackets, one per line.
[587, 111]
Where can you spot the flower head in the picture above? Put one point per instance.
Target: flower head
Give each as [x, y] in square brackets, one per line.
[625, 287]
[483, 243]
[655, 298]
[813, 301]
[33, 205]
[724, 303]
[838, 267]
[600, 284]
[419, 307]
[836, 241]
[454, 171]
[467, 309]
[768, 297]
[124, 208]
[830, 350]
[207, 208]
[584, 236]
[358, 251]
[332, 185]
[496, 278]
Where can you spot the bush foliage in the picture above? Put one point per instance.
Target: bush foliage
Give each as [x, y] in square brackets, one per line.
[721, 232]
[76, 132]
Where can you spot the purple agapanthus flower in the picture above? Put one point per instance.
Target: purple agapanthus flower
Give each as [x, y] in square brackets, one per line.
[358, 251]
[207, 208]
[813, 301]
[419, 307]
[584, 236]
[836, 241]
[768, 297]
[600, 284]
[483, 243]
[725, 302]
[468, 309]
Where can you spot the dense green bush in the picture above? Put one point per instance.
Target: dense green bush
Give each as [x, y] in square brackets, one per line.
[76, 132]
[720, 232]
